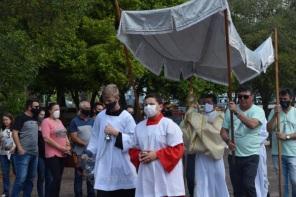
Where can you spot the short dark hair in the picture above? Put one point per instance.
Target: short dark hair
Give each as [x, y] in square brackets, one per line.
[29, 103]
[286, 91]
[156, 96]
[212, 96]
[245, 88]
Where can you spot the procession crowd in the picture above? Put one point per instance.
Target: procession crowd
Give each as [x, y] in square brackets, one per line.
[119, 157]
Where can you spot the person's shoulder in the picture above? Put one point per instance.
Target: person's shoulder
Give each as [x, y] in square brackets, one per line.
[141, 123]
[257, 108]
[75, 119]
[126, 114]
[168, 121]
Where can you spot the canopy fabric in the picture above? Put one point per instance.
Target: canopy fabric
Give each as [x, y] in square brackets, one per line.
[189, 40]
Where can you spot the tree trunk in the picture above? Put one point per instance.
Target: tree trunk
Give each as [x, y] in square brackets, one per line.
[93, 97]
[61, 97]
[75, 97]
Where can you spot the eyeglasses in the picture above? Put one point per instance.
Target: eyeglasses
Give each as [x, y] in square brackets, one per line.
[245, 97]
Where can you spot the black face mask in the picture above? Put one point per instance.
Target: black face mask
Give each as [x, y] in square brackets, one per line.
[35, 112]
[85, 112]
[110, 106]
[285, 104]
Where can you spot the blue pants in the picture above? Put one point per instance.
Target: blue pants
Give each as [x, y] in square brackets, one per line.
[289, 173]
[78, 180]
[25, 169]
[5, 167]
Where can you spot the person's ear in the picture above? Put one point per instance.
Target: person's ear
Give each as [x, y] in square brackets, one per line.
[160, 107]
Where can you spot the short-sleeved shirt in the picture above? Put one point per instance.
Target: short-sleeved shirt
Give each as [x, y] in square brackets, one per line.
[27, 128]
[247, 140]
[83, 128]
[55, 130]
[288, 126]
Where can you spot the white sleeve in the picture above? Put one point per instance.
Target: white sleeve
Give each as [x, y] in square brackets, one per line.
[174, 134]
[128, 137]
[94, 137]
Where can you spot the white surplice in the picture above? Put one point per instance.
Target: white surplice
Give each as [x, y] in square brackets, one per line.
[210, 173]
[153, 180]
[261, 181]
[113, 169]
[209, 177]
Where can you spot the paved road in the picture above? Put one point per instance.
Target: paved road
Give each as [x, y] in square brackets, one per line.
[67, 183]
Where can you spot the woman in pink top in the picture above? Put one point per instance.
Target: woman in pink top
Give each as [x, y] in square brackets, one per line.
[57, 146]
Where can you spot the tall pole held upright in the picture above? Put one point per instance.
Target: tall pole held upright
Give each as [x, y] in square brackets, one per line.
[278, 115]
[229, 76]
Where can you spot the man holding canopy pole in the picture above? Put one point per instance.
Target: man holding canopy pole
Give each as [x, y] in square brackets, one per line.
[287, 135]
[248, 120]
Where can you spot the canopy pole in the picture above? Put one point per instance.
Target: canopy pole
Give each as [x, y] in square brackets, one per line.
[278, 115]
[229, 76]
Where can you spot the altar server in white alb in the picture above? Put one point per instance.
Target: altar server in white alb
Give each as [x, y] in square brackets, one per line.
[159, 151]
[202, 136]
[114, 174]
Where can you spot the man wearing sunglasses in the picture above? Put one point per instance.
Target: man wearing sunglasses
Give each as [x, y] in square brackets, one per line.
[247, 121]
[287, 135]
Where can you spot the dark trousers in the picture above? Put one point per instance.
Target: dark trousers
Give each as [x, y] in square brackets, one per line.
[78, 180]
[55, 166]
[243, 171]
[190, 173]
[117, 193]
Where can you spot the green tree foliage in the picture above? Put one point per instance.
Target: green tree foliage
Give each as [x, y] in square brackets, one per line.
[256, 20]
[58, 47]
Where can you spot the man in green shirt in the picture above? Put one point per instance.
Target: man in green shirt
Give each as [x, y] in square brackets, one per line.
[287, 135]
[247, 120]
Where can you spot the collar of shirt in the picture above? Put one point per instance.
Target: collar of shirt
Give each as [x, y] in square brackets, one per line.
[154, 120]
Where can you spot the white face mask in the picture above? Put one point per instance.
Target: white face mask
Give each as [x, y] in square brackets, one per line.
[56, 114]
[209, 108]
[150, 110]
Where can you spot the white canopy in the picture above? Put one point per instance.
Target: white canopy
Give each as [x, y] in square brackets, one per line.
[189, 39]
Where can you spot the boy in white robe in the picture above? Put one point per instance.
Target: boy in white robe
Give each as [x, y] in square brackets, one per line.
[114, 174]
[159, 151]
[201, 132]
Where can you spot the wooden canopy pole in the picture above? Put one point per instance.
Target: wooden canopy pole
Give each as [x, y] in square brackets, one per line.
[229, 76]
[278, 115]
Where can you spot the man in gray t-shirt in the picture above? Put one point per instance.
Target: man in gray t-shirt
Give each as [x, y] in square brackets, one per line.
[25, 136]
[80, 130]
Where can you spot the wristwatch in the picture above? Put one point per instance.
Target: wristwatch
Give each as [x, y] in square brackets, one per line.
[288, 137]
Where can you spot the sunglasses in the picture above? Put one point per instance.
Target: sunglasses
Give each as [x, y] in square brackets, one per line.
[245, 97]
